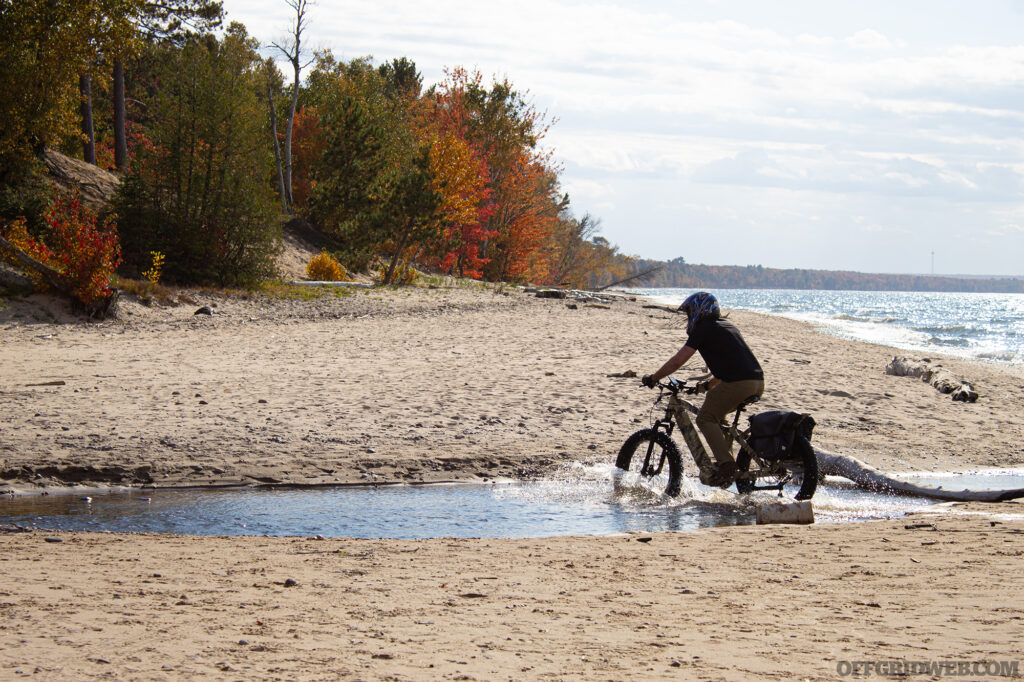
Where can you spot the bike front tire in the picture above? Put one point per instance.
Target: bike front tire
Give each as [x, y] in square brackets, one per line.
[634, 452]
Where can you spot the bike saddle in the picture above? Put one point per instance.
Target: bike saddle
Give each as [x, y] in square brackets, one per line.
[749, 401]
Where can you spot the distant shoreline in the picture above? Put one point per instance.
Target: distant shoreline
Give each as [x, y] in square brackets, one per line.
[677, 274]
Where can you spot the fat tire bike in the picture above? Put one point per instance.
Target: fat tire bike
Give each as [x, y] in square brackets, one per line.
[653, 456]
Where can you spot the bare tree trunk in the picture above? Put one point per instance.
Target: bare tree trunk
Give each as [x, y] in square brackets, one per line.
[89, 137]
[397, 255]
[277, 148]
[292, 50]
[120, 136]
[288, 132]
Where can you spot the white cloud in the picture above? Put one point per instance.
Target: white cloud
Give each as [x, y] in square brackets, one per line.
[869, 40]
[1004, 230]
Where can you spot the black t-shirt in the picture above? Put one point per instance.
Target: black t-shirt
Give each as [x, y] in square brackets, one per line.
[724, 351]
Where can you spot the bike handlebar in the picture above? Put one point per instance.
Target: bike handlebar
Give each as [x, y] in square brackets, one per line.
[675, 386]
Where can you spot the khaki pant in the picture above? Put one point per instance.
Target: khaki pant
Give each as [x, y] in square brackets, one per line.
[720, 401]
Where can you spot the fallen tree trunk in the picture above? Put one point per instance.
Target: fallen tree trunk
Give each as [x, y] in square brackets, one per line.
[866, 476]
[14, 281]
[51, 276]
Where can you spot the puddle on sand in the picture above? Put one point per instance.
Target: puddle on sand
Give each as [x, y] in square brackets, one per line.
[579, 500]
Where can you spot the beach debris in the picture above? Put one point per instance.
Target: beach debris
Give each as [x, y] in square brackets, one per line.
[628, 374]
[935, 375]
[572, 306]
[58, 382]
[205, 310]
[666, 308]
[785, 512]
[576, 295]
[53, 539]
[290, 582]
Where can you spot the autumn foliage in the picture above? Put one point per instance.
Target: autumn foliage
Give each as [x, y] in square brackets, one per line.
[83, 249]
[307, 147]
[460, 178]
[324, 267]
[454, 176]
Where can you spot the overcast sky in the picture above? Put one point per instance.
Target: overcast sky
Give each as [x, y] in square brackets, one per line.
[853, 136]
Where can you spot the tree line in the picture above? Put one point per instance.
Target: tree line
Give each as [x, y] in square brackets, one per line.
[216, 148]
[677, 273]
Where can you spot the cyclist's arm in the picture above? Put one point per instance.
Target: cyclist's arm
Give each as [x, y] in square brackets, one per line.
[674, 363]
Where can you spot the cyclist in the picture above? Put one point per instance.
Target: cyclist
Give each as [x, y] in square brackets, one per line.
[736, 375]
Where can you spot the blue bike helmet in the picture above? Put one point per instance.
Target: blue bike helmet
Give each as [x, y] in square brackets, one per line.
[700, 306]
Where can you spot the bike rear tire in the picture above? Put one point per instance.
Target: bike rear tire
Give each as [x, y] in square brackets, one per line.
[802, 453]
[634, 451]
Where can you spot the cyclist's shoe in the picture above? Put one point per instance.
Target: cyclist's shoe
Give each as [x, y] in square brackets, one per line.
[723, 476]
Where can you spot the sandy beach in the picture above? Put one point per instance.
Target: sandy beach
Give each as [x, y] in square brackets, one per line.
[471, 383]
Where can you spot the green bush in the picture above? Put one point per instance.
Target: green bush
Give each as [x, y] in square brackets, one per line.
[198, 191]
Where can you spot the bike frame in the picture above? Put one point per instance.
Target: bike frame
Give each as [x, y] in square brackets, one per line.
[677, 414]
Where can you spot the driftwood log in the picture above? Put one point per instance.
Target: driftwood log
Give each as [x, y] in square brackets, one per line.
[934, 374]
[14, 281]
[869, 478]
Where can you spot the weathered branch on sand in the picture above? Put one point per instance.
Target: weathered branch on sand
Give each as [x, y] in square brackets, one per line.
[51, 276]
[14, 281]
[630, 278]
[866, 476]
[937, 376]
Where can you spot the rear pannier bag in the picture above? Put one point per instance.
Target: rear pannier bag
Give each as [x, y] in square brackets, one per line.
[772, 433]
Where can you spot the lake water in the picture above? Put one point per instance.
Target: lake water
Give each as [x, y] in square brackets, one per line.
[977, 326]
[579, 500]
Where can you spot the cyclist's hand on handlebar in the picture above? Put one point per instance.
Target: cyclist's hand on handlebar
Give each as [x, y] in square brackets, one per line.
[648, 381]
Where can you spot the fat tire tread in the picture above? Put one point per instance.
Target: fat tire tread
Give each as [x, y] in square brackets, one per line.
[675, 460]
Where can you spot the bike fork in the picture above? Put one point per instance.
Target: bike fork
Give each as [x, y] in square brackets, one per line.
[646, 470]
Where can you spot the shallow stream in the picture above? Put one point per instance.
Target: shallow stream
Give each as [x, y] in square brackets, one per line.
[581, 500]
